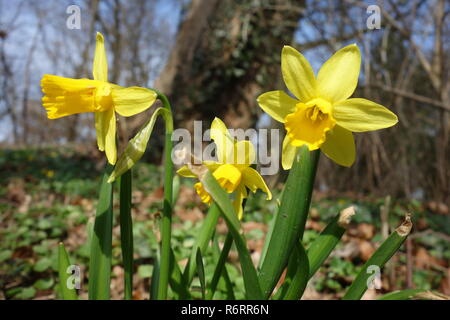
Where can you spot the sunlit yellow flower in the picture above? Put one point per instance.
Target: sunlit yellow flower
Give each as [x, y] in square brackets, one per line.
[323, 116]
[65, 96]
[50, 173]
[232, 170]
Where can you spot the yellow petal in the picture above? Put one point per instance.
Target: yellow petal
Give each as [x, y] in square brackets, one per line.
[340, 146]
[100, 128]
[110, 136]
[133, 100]
[338, 77]
[100, 65]
[277, 104]
[244, 154]
[298, 74]
[253, 180]
[359, 115]
[228, 176]
[240, 195]
[288, 153]
[201, 191]
[223, 140]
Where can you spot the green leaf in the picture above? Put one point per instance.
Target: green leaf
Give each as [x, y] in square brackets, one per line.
[297, 275]
[63, 266]
[402, 294]
[290, 219]
[101, 243]
[378, 259]
[136, 147]
[251, 284]
[266, 243]
[321, 247]
[154, 280]
[126, 232]
[5, 255]
[44, 284]
[201, 272]
[26, 293]
[176, 280]
[42, 265]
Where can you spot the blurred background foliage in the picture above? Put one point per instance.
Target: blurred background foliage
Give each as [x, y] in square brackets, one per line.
[213, 58]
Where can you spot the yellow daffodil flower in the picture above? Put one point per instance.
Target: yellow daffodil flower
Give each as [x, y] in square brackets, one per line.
[232, 170]
[323, 116]
[65, 96]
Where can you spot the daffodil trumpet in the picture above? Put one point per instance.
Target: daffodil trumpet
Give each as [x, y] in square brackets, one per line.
[66, 96]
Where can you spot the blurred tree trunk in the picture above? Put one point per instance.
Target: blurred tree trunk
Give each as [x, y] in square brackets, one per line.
[226, 54]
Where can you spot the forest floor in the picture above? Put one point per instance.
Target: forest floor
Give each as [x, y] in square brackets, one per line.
[49, 195]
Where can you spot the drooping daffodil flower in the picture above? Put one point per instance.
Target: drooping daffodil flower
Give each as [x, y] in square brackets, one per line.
[233, 169]
[322, 115]
[65, 96]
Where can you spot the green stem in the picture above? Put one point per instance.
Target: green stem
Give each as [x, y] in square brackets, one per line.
[291, 218]
[166, 223]
[126, 232]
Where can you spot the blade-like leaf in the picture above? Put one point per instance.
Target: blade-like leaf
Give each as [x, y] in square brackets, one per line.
[176, 281]
[321, 247]
[201, 272]
[154, 279]
[220, 266]
[63, 265]
[136, 147]
[297, 276]
[378, 259]
[266, 243]
[126, 232]
[101, 243]
[291, 218]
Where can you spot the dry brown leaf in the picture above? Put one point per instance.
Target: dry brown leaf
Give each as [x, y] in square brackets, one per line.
[366, 231]
[366, 249]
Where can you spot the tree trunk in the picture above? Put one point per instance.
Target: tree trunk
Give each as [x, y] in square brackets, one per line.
[226, 54]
